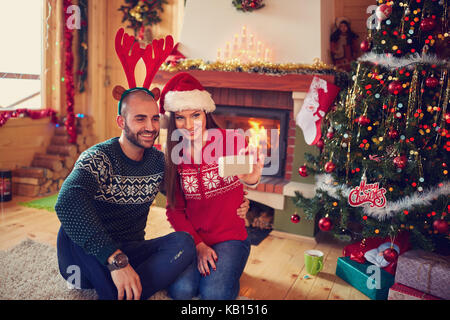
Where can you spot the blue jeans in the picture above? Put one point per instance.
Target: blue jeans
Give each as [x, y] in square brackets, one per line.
[222, 283]
[158, 263]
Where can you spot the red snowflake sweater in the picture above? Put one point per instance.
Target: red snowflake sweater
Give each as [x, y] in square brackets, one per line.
[206, 204]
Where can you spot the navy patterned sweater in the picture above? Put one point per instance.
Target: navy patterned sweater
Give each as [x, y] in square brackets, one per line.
[106, 198]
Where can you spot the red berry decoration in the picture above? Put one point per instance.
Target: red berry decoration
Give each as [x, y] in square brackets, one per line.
[440, 226]
[400, 162]
[395, 87]
[325, 224]
[329, 166]
[365, 46]
[303, 171]
[427, 24]
[390, 254]
[295, 218]
[431, 82]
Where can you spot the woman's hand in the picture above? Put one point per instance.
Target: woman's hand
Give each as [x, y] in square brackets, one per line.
[243, 209]
[253, 178]
[205, 255]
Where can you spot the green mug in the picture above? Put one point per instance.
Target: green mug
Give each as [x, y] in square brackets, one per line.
[313, 261]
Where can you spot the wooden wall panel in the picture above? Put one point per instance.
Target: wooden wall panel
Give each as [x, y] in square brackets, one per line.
[21, 138]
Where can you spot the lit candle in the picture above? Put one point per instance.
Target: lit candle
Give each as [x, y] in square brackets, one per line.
[266, 55]
[218, 54]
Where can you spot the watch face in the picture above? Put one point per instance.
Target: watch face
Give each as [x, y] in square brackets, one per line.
[121, 260]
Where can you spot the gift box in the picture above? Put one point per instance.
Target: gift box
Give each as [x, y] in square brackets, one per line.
[425, 271]
[371, 280]
[401, 292]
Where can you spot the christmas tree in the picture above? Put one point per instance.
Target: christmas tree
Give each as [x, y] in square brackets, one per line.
[384, 154]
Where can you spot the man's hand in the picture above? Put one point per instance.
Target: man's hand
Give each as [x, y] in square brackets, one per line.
[245, 206]
[205, 254]
[127, 282]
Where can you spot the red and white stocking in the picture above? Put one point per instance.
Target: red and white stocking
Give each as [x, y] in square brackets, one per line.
[318, 100]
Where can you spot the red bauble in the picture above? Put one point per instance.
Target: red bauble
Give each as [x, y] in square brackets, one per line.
[303, 171]
[383, 12]
[320, 144]
[390, 254]
[393, 134]
[441, 226]
[395, 87]
[427, 24]
[295, 218]
[330, 135]
[329, 167]
[325, 224]
[363, 120]
[365, 46]
[400, 161]
[431, 82]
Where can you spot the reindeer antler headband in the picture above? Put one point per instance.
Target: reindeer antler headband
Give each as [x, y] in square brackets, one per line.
[153, 56]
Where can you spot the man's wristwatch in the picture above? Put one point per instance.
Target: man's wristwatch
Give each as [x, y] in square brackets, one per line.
[120, 261]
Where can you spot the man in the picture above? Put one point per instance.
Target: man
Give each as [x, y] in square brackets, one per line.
[103, 207]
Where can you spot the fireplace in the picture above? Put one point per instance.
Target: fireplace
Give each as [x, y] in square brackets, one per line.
[265, 128]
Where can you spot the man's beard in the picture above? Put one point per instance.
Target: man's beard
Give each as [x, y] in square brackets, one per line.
[134, 137]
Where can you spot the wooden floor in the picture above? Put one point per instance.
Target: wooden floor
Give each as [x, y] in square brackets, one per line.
[274, 271]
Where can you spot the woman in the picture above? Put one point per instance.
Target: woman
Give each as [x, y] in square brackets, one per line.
[342, 45]
[199, 201]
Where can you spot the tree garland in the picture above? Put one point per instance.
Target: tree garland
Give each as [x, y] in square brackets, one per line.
[68, 77]
[33, 114]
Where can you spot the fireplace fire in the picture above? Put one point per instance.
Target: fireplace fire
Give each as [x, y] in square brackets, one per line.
[265, 128]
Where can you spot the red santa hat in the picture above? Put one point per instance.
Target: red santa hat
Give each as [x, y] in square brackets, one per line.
[184, 92]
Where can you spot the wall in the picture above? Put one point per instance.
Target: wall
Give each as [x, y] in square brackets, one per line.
[290, 27]
[21, 138]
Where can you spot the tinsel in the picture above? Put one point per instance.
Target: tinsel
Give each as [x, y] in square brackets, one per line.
[325, 182]
[33, 114]
[68, 77]
[267, 68]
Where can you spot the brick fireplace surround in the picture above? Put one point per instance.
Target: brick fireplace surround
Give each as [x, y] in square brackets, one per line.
[285, 92]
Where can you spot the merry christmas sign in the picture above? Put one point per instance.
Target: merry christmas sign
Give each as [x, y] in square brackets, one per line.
[367, 193]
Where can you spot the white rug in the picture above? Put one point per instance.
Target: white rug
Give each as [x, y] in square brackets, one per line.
[29, 271]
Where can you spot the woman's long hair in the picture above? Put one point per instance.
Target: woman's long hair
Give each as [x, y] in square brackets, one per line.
[171, 177]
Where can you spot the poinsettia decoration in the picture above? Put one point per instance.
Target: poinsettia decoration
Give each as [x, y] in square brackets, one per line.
[142, 13]
[248, 5]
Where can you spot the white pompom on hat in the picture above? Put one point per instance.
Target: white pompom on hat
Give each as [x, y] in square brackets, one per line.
[184, 92]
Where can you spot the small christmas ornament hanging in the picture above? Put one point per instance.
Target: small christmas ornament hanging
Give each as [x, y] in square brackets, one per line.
[393, 134]
[400, 162]
[303, 171]
[295, 218]
[325, 224]
[320, 144]
[427, 24]
[395, 87]
[363, 120]
[329, 166]
[431, 82]
[390, 254]
[441, 226]
[365, 45]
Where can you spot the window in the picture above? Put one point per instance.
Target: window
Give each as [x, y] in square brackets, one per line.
[21, 54]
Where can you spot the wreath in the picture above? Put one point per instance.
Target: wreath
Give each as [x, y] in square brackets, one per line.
[141, 13]
[248, 5]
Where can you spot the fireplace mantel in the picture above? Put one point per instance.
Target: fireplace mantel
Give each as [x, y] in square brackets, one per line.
[248, 81]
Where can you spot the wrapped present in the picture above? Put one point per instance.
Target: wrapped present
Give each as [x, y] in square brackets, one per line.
[357, 251]
[401, 292]
[371, 280]
[425, 271]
